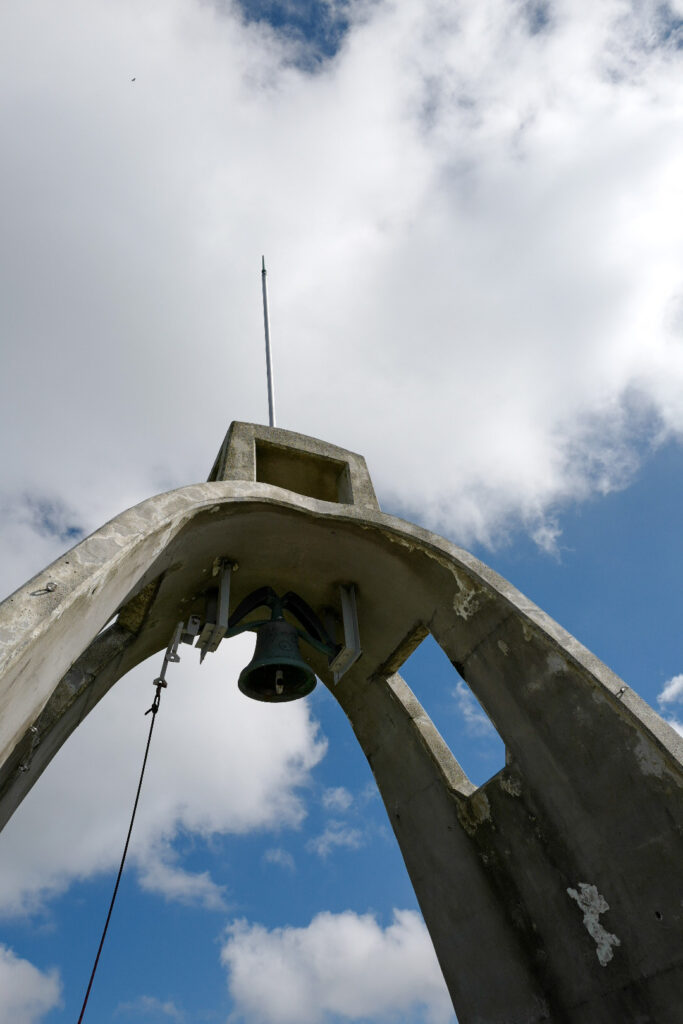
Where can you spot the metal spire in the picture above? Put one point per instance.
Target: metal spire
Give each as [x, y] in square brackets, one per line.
[269, 362]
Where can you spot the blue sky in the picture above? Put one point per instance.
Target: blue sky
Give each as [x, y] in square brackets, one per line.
[317, 25]
[472, 220]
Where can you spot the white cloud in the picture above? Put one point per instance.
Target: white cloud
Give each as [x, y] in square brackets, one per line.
[160, 872]
[337, 798]
[485, 221]
[672, 691]
[26, 993]
[205, 733]
[336, 834]
[152, 1007]
[476, 721]
[340, 967]
[276, 855]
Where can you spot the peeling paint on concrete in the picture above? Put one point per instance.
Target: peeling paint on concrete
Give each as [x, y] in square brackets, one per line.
[468, 599]
[511, 785]
[474, 812]
[593, 905]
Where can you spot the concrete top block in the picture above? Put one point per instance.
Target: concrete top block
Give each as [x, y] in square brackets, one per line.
[295, 462]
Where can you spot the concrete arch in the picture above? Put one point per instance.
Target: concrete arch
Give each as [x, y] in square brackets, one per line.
[532, 914]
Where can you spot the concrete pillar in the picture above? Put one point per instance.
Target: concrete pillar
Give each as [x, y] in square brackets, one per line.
[551, 893]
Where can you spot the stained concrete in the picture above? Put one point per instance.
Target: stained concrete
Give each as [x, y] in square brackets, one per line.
[551, 893]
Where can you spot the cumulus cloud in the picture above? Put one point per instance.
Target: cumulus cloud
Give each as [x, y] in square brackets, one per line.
[159, 871]
[478, 208]
[195, 783]
[276, 855]
[26, 993]
[672, 693]
[476, 721]
[335, 835]
[151, 1007]
[337, 798]
[342, 967]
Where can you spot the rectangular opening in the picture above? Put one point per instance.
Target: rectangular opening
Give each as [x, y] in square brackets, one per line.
[312, 475]
[455, 711]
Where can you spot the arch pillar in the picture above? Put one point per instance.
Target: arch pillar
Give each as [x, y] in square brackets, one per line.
[541, 889]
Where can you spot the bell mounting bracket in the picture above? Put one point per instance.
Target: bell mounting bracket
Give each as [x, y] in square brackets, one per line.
[220, 625]
[350, 650]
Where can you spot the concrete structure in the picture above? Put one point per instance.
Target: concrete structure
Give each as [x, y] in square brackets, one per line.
[553, 892]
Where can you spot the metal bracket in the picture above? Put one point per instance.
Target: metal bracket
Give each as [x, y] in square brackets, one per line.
[216, 625]
[171, 655]
[191, 630]
[351, 650]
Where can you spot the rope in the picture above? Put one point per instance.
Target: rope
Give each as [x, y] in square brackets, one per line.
[159, 683]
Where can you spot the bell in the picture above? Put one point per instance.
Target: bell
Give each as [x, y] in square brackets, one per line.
[277, 672]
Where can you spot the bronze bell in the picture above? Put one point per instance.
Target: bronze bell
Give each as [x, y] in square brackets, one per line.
[277, 672]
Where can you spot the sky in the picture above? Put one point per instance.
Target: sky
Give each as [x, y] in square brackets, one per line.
[472, 215]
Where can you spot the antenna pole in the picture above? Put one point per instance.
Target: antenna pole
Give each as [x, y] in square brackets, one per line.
[269, 362]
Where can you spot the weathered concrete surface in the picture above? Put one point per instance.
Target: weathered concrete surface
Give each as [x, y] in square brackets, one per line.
[551, 893]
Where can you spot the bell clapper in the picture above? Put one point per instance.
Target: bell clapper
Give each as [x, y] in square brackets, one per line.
[279, 684]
